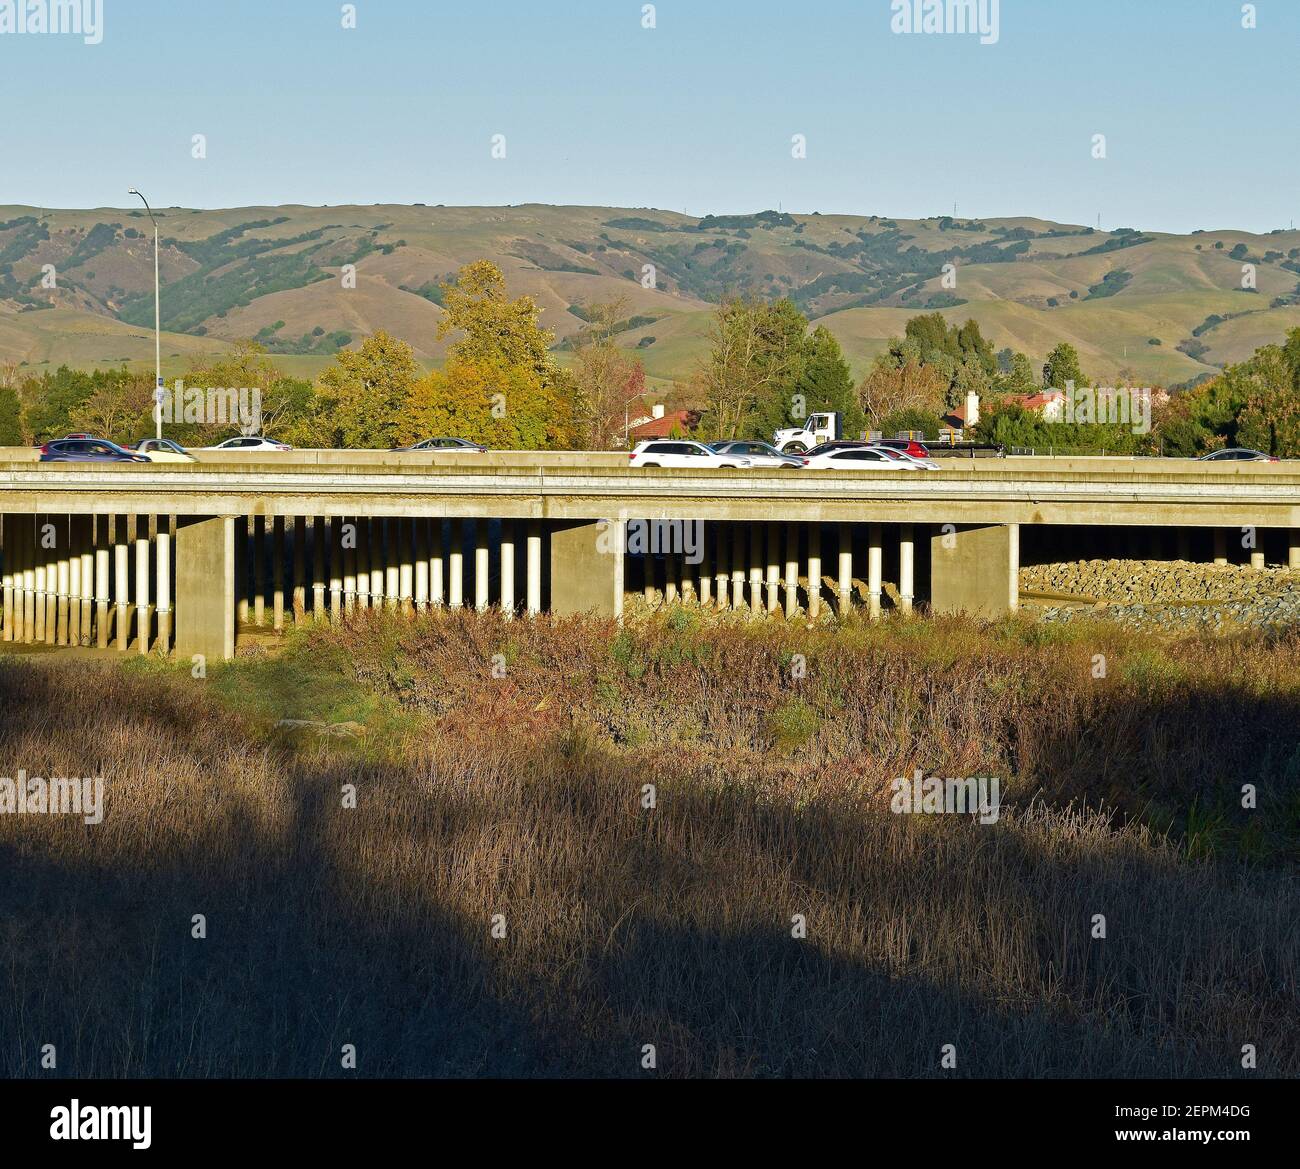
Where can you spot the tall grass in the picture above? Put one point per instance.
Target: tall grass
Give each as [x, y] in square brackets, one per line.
[503, 779]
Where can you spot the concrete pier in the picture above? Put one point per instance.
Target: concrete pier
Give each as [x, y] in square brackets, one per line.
[975, 569]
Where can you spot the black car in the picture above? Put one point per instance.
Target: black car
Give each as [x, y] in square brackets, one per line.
[445, 446]
[839, 444]
[87, 450]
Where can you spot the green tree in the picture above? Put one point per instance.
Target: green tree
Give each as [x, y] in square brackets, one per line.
[911, 420]
[494, 332]
[826, 383]
[1063, 366]
[49, 401]
[11, 417]
[1018, 377]
[755, 356]
[502, 406]
[365, 396]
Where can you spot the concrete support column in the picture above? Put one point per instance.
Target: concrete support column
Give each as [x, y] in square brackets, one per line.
[41, 572]
[437, 567]
[299, 569]
[814, 572]
[907, 569]
[534, 598]
[672, 565]
[722, 564]
[52, 582]
[363, 562]
[773, 568]
[648, 587]
[976, 569]
[421, 554]
[405, 566]
[103, 585]
[29, 580]
[7, 580]
[259, 570]
[587, 568]
[378, 564]
[164, 588]
[205, 587]
[122, 591]
[456, 566]
[705, 565]
[69, 585]
[482, 565]
[277, 573]
[336, 568]
[756, 568]
[845, 578]
[1293, 550]
[63, 583]
[86, 544]
[143, 607]
[1220, 546]
[29, 554]
[1257, 560]
[243, 553]
[74, 579]
[739, 556]
[392, 569]
[791, 571]
[351, 539]
[508, 529]
[875, 568]
[318, 568]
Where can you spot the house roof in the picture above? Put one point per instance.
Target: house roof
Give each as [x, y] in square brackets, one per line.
[1041, 399]
[679, 420]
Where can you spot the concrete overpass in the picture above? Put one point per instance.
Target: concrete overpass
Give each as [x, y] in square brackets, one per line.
[183, 557]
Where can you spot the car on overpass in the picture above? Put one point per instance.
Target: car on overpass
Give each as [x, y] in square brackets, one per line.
[87, 450]
[163, 450]
[903, 457]
[908, 446]
[759, 454]
[682, 454]
[445, 446]
[249, 444]
[860, 458]
[1238, 455]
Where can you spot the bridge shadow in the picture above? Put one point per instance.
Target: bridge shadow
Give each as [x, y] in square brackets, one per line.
[328, 926]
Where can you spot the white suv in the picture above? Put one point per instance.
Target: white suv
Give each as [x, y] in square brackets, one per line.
[666, 452]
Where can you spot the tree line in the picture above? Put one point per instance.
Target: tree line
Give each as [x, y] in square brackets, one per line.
[766, 367]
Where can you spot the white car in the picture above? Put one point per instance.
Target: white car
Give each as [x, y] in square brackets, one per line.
[904, 457]
[163, 450]
[759, 454]
[249, 444]
[859, 459]
[668, 452]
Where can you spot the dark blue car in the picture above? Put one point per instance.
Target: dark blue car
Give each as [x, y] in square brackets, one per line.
[87, 450]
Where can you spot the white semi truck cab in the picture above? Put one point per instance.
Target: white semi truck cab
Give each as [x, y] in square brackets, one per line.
[818, 428]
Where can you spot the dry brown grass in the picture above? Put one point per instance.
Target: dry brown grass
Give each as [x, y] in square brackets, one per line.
[521, 795]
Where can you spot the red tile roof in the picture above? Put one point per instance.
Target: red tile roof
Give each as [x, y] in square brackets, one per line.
[679, 420]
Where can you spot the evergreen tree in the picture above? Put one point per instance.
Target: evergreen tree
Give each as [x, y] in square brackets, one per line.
[826, 383]
[1063, 366]
[11, 419]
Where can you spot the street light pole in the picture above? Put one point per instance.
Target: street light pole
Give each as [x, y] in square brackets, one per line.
[157, 319]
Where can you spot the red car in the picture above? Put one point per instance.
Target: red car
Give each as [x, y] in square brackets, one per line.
[908, 446]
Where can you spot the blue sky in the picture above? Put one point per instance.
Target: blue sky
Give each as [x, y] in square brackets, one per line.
[696, 114]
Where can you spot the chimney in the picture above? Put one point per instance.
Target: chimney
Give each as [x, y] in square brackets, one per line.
[657, 411]
[972, 408]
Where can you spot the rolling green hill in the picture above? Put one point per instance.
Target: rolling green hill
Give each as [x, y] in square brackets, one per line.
[1165, 308]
